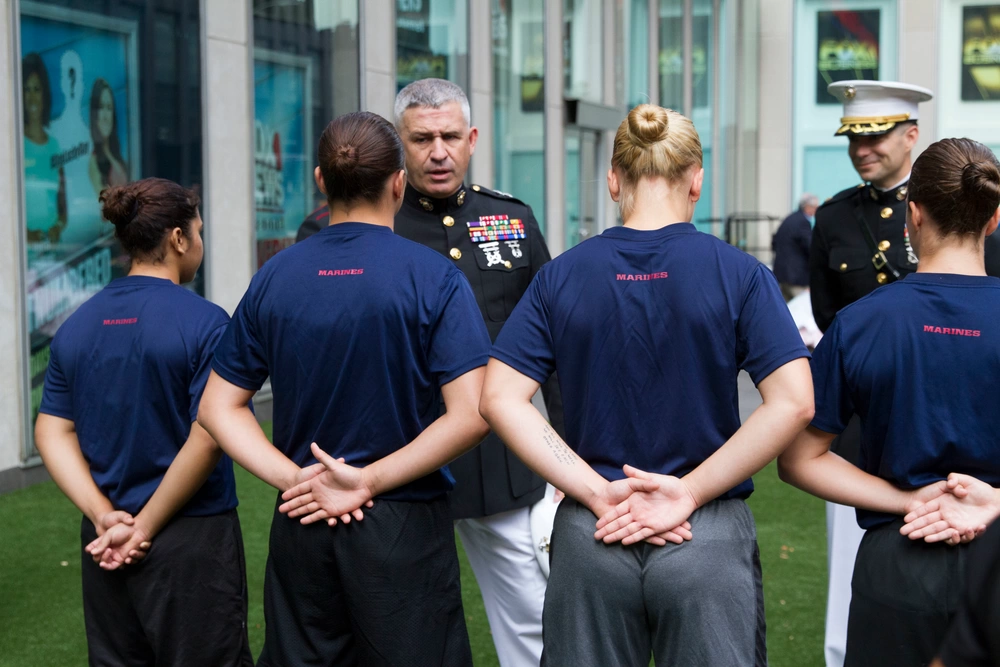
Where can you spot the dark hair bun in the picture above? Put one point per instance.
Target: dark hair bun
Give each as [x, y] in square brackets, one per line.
[120, 204]
[981, 178]
[345, 158]
[647, 124]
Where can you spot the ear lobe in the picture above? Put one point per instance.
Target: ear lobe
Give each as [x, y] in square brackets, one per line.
[696, 184]
[614, 187]
[991, 226]
[318, 176]
[473, 138]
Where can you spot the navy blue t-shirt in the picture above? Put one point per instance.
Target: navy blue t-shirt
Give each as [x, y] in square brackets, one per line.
[917, 361]
[648, 331]
[128, 368]
[358, 329]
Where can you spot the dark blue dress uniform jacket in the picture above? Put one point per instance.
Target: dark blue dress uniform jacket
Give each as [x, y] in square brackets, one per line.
[791, 249]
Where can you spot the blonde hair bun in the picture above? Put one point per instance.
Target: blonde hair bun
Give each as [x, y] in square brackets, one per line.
[647, 124]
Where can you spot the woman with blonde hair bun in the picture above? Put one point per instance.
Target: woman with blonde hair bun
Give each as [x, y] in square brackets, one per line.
[648, 325]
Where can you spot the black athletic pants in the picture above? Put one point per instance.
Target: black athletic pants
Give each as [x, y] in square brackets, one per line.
[904, 595]
[184, 605]
[382, 591]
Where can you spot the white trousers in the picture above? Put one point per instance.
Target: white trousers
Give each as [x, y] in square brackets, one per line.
[843, 537]
[502, 556]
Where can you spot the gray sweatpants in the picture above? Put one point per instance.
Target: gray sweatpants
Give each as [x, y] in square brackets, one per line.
[693, 604]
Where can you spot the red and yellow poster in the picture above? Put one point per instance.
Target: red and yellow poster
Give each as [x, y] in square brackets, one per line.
[848, 48]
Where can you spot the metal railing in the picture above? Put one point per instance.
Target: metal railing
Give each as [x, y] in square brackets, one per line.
[750, 232]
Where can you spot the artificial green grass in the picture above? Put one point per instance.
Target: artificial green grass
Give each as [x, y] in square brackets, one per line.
[41, 619]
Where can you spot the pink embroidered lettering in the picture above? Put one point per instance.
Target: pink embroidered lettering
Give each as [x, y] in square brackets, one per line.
[341, 272]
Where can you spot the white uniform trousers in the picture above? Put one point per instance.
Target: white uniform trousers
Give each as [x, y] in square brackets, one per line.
[843, 537]
[502, 556]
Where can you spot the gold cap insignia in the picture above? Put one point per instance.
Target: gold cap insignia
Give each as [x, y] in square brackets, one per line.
[850, 93]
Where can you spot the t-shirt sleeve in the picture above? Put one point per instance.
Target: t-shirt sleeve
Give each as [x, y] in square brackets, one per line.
[240, 355]
[525, 342]
[834, 405]
[766, 335]
[202, 368]
[57, 399]
[459, 341]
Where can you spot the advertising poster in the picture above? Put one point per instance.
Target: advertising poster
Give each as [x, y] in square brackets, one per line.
[414, 58]
[80, 112]
[981, 53]
[283, 163]
[847, 48]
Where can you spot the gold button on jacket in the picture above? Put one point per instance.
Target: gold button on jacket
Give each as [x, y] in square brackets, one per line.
[455, 253]
[884, 245]
[881, 278]
[448, 221]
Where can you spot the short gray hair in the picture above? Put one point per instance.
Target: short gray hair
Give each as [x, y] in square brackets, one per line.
[808, 200]
[433, 93]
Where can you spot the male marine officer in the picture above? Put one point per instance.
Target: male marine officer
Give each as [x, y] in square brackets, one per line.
[494, 239]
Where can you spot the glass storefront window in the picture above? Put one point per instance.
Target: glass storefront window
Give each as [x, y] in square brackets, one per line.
[671, 56]
[519, 100]
[834, 40]
[583, 50]
[305, 73]
[635, 20]
[110, 93]
[432, 41]
[672, 82]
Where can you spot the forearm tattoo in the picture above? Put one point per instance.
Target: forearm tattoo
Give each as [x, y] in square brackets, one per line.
[559, 449]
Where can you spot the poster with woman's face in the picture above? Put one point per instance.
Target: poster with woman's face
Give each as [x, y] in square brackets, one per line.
[80, 129]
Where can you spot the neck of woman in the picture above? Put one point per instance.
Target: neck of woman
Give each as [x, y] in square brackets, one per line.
[962, 255]
[166, 270]
[35, 132]
[374, 214]
[655, 204]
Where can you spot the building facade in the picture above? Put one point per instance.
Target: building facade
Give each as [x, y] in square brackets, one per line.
[230, 97]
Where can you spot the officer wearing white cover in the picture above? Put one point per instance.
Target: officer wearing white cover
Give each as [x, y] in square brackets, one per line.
[860, 243]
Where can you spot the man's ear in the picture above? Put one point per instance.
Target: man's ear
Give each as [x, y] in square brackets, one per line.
[473, 138]
[318, 175]
[912, 135]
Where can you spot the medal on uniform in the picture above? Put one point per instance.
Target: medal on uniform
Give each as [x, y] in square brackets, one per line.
[911, 256]
[492, 251]
[495, 228]
[515, 248]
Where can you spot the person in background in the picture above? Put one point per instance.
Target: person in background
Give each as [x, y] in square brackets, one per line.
[631, 321]
[918, 361]
[495, 241]
[117, 432]
[791, 248]
[363, 335]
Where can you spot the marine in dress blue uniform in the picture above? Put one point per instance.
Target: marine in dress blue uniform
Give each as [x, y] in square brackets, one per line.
[496, 242]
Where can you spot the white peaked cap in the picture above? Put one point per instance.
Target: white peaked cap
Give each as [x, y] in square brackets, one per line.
[874, 107]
